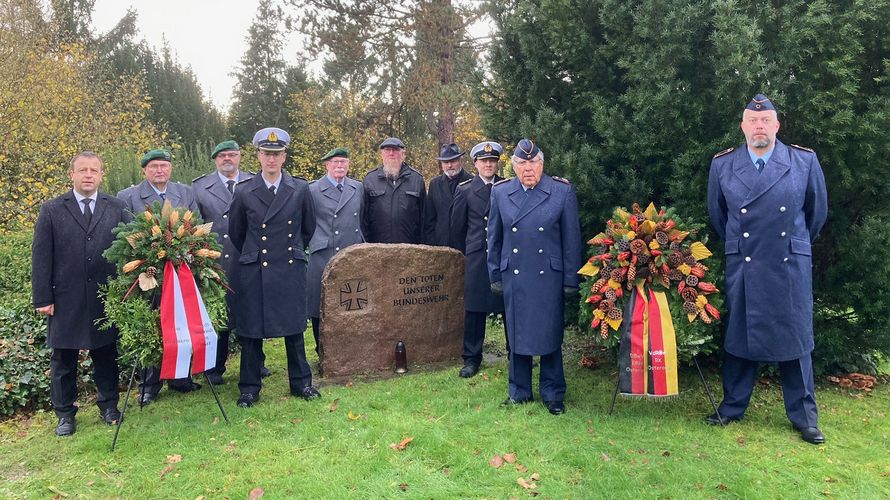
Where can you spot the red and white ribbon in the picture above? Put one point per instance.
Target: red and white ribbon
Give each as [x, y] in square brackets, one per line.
[186, 330]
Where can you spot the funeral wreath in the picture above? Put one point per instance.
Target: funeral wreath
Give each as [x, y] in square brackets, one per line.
[659, 251]
[140, 252]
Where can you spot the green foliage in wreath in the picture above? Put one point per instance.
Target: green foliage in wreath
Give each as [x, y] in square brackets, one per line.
[142, 248]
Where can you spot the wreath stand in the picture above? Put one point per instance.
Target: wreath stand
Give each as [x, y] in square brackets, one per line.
[701, 377]
[120, 421]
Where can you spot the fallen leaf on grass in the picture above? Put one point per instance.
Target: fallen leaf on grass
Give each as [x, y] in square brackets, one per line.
[496, 461]
[166, 470]
[57, 491]
[199, 497]
[334, 404]
[256, 493]
[174, 459]
[349, 384]
[605, 457]
[525, 484]
[521, 468]
[740, 440]
[296, 421]
[353, 416]
[446, 471]
[666, 453]
[484, 376]
[535, 477]
[403, 486]
[402, 444]
[510, 458]
[722, 487]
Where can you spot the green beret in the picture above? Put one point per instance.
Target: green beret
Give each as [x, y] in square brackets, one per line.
[156, 154]
[224, 146]
[335, 153]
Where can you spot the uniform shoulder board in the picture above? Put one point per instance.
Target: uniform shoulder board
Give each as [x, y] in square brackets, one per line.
[465, 182]
[724, 152]
[562, 180]
[802, 148]
[313, 181]
[199, 177]
[245, 180]
[502, 181]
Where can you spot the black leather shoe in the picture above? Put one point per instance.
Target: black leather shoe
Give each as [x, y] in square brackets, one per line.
[148, 398]
[265, 372]
[713, 419]
[811, 435]
[555, 407]
[215, 379]
[248, 399]
[468, 371]
[110, 416]
[308, 393]
[515, 402]
[66, 426]
[188, 386]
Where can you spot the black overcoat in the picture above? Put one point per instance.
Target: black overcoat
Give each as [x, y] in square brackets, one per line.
[469, 234]
[394, 210]
[272, 233]
[214, 199]
[438, 206]
[67, 268]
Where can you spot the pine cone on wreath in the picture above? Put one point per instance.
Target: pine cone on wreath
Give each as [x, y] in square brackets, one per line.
[631, 275]
[689, 294]
[638, 247]
[598, 284]
[606, 305]
[616, 275]
[168, 237]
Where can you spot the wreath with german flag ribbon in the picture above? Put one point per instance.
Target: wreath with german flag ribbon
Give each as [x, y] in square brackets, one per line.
[658, 251]
[143, 248]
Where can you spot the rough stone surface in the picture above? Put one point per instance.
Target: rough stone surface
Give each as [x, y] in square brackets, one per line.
[374, 295]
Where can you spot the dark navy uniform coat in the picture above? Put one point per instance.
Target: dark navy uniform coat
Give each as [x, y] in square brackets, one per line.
[768, 221]
[469, 234]
[438, 206]
[534, 247]
[394, 211]
[68, 267]
[338, 225]
[213, 200]
[272, 233]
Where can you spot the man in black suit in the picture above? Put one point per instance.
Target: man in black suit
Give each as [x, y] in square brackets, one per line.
[67, 269]
[441, 193]
[271, 221]
[469, 231]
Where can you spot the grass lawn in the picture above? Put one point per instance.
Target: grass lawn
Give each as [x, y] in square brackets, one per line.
[339, 447]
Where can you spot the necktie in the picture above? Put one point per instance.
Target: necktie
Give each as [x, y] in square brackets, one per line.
[272, 190]
[87, 213]
[759, 164]
[340, 187]
[163, 196]
[230, 185]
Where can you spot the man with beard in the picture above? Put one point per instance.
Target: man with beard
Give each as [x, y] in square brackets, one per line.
[395, 196]
[67, 268]
[214, 192]
[271, 221]
[768, 202]
[442, 188]
[469, 228]
[157, 167]
[339, 206]
[534, 253]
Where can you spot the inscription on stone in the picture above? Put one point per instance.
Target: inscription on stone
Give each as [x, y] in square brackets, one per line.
[374, 295]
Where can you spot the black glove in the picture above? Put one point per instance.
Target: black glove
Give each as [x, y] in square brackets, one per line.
[497, 288]
[569, 292]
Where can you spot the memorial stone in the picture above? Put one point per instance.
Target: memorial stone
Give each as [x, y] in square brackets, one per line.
[375, 295]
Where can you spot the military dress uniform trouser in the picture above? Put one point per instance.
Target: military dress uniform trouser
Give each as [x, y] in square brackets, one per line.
[798, 388]
[552, 382]
[252, 357]
[474, 336]
[151, 381]
[316, 329]
[63, 378]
